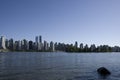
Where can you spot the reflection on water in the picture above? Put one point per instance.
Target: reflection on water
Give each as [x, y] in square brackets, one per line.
[57, 66]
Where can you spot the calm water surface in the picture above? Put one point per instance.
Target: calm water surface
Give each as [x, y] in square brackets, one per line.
[58, 66]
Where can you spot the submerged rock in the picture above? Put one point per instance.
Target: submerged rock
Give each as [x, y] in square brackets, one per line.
[103, 71]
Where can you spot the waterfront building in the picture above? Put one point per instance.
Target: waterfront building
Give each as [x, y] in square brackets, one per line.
[38, 42]
[7, 43]
[40, 39]
[86, 48]
[2, 42]
[99, 48]
[52, 47]
[40, 46]
[31, 45]
[56, 46]
[116, 49]
[34, 46]
[76, 44]
[24, 44]
[81, 46]
[93, 47]
[36, 39]
[16, 45]
[11, 44]
[27, 45]
[19, 45]
[46, 46]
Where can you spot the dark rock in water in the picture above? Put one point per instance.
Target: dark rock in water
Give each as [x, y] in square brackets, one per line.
[103, 71]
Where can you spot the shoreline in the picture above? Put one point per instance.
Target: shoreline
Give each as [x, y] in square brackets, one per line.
[55, 52]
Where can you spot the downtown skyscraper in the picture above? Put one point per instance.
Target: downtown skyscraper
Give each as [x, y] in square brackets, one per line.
[38, 43]
[2, 42]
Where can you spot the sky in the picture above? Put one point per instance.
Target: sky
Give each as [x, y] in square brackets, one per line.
[86, 21]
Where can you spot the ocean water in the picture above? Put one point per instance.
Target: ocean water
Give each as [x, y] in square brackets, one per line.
[58, 66]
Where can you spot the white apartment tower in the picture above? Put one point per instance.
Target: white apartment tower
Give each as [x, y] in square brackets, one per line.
[2, 42]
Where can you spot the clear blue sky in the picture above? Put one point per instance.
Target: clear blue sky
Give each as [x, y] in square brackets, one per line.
[87, 21]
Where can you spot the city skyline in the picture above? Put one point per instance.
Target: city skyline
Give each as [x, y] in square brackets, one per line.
[67, 21]
[26, 45]
[38, 45]
[41, 39]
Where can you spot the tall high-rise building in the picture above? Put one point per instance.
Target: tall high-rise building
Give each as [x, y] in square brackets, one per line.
[16, 45]
[36, 42]
[92, 47]
[81, 46]
[24, 44]
[11, 44]
[40, 43]
[86, 48]
[76, 44]
[36, 39]
[46, 46]
[19, 45]
[2, 42]
[7, 43]
[52, 47]
[31, 45]
[40, 39]
[40, 47]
